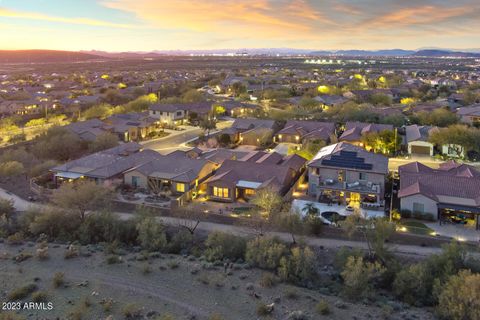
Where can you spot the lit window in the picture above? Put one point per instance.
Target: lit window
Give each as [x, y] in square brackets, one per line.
[220, 192]
[249, 192]
[180, 187]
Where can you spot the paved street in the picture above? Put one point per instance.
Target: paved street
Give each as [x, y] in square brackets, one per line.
[176, 139]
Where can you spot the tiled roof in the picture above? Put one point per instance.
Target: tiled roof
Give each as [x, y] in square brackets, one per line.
[452, 183]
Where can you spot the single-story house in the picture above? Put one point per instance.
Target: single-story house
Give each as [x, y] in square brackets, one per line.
[88, 130]
[451, 192]
[470, 114]
[133, 126]
[298, 132]
[239, 180]
[175, 172]
[250, 131]
[355, 130]
[106, 166]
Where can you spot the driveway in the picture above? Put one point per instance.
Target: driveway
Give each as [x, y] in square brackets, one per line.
[177, 140]
[19, 203]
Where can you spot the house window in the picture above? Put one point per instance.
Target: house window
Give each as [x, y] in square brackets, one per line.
[340, 175]
[418, 207]
[249, 192]
[362, 176]
[135, 180]
[220, 192]
[154, 112]
[179, 113]
[180, 187]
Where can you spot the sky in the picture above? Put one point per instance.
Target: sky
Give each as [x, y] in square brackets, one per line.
[146, 25]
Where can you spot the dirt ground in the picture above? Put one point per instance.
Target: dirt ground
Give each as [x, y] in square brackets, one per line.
[185, 287]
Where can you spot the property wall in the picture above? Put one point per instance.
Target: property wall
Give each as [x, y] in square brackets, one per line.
[430, 206]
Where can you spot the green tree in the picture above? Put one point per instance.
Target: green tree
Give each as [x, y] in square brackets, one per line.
[207, 124]
[265, 253]
[193, 95]
[268, 200]
[81, 197]
[100, 111]
[11, 168]
[104, 141]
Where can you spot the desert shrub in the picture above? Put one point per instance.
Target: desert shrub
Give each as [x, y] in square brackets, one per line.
[166, 316]
[113, 259]
[16, 238]
[223, 245]
[410, 284]
[58, 279]
[265, 253]
[106, 227]
[299, 267]
[11, 316]
[55, 224]
[21, 292]
[173, 264]
[71, 252]
[291, 293]
[459, 299]
[359, 278]
[131, 311]
[215, 316]
[263, 309]
[323, 308]
[151, 234]
[42, 251]
[39, 296]
[268, 280]
[182, 240]
[342, 255]
[146, 269]
[430, 275]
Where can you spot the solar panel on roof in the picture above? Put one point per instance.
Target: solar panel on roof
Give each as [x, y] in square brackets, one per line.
[347, 159]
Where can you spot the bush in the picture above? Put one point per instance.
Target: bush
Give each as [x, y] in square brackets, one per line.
[299, 267]
[22, 292]
[16, 238]
[359, 278]
[291, 294]
[223, 245]
[265, 253]
[58, 279]
[460, 297]
[131, 311]
[268, 280]
[151, 234]
[323, 307]
[342, 255]
[182, 240]
[71, 252]
[263, 309]
[39, 296]
[428, 276]
[113, 259]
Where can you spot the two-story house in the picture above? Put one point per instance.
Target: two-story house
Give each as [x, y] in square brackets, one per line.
[168, 114]
[347, 174]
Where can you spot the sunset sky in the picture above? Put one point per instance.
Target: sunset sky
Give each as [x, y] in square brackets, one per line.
[143, 25]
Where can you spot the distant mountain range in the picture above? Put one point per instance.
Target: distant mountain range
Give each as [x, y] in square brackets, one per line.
[49, 56]
[44, 56]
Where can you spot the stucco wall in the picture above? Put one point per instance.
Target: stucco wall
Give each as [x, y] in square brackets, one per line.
[430, 206]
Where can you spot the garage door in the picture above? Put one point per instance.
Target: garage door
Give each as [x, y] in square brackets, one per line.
[421, 150]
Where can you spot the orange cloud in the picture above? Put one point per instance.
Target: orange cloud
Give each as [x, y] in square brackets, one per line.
[7, 13]
[252, 18]
[420, 15]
